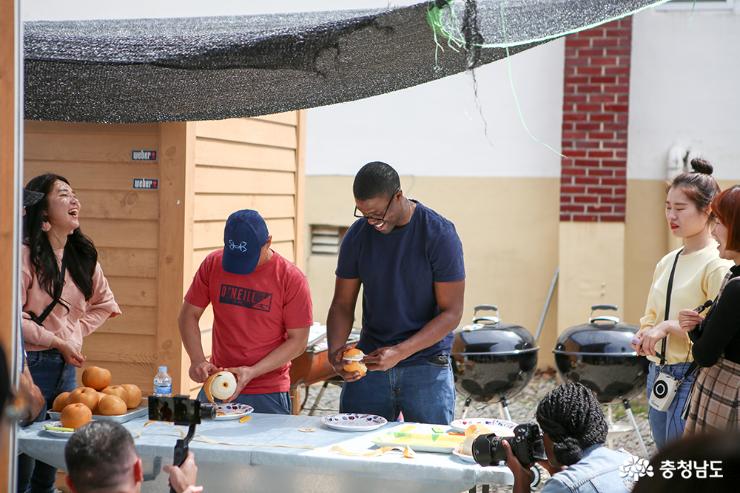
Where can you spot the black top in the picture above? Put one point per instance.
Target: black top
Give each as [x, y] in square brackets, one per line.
[719, 333]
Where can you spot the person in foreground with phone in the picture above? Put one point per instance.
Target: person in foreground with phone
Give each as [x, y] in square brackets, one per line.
[101, 457]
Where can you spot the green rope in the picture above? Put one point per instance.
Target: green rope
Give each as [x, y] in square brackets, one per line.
[451, 31]
[455, 40]
[516, 98]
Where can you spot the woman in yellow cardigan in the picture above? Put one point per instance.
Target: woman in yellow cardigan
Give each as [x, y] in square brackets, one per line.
[697, 275]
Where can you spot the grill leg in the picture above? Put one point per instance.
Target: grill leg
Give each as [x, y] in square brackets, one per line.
[466, 408]
[318, 397]
[631, 416]
[504, 405]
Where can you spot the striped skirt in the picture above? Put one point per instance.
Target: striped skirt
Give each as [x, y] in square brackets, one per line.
[715, 399]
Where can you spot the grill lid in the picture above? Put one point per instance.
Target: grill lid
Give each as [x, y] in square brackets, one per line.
[602, 336]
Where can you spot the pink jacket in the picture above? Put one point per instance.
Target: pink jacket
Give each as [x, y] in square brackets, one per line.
[83, 317]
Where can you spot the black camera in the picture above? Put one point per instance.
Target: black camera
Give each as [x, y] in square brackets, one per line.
[526, 444]
[179, 409]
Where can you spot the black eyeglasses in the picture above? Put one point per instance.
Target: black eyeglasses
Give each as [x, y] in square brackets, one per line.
[378, 219]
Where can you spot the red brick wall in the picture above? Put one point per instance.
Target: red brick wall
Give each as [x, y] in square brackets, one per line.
[593, 179]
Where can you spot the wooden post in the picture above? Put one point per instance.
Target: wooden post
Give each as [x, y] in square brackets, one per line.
[9, 150]
[300, 186]
[177, 167]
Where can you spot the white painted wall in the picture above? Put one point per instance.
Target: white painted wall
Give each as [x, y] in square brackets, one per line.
[436, 129]
[685, 89]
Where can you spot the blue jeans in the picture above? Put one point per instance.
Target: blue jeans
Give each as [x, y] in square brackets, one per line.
[424, 392]
[274, 403]
[667, 426]
[53, 376]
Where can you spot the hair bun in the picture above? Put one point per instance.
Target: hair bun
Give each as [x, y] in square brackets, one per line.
[568, 451]
[702, 166]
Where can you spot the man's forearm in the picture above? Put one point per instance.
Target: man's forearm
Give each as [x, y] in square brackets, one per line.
[190, 334]
[338, 326]
[433, 332]
[287, 351]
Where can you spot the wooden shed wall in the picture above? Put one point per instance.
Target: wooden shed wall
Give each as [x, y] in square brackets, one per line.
[151, 242]
[254, 163]
[123, 223]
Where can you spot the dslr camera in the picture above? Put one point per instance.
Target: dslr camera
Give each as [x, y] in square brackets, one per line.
[526, 444]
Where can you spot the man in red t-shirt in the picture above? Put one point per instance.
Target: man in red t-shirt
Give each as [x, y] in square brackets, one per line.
[261, 315]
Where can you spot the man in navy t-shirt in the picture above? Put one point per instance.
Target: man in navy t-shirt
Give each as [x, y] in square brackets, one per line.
[409, 261]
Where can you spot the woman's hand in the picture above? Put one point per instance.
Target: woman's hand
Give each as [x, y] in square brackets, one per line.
[651, 336]
[688, 320]
[523, 476]
[70, 354]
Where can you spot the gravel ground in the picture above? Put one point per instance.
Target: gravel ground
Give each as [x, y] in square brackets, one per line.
[522, 409]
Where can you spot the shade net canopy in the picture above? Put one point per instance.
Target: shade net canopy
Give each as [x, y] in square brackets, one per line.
[209, 68]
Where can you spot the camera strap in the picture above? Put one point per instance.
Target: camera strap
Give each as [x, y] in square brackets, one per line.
[57, 298]
[668, 305]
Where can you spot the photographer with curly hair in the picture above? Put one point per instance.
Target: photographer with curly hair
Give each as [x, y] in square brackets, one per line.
[574, 430]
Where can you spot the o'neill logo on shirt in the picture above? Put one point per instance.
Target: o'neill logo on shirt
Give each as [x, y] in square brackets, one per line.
[248, 298]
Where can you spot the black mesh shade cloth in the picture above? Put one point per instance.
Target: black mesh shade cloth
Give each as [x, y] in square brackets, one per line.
[209, 68]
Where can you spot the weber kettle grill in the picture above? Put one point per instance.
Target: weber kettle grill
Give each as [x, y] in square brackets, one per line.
[492, 360]
[599, 355]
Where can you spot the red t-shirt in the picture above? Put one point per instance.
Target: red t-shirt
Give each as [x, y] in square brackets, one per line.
[252, 314]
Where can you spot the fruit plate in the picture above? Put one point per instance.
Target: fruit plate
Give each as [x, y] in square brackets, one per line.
[57, 433]
[420, 439]
[128, 416]
[500, 427]
[354, 422]
[232, 411]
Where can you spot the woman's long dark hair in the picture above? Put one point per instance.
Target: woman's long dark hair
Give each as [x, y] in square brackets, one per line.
[80, 255]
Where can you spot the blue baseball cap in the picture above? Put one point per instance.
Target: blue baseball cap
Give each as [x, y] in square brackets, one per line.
[244, 235]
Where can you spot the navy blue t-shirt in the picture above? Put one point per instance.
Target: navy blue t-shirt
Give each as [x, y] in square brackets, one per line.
[398, 271]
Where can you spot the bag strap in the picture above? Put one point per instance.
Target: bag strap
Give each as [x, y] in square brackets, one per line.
[58, 288]
[668, 303]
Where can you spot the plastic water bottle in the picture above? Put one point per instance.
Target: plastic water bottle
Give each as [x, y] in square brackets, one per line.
[162, 383]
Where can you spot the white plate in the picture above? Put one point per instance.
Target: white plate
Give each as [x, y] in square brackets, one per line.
[463, 457]
[500, 427]
[354, 422]
[58, 434]
[232, 411]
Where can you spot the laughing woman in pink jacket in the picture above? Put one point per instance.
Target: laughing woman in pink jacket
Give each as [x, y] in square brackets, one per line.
[65, 297]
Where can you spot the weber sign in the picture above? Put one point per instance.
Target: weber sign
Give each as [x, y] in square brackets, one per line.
[146, 184]
[143, 155]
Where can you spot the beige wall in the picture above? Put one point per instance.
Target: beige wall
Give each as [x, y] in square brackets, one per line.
[509, 230]
[591, 269]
